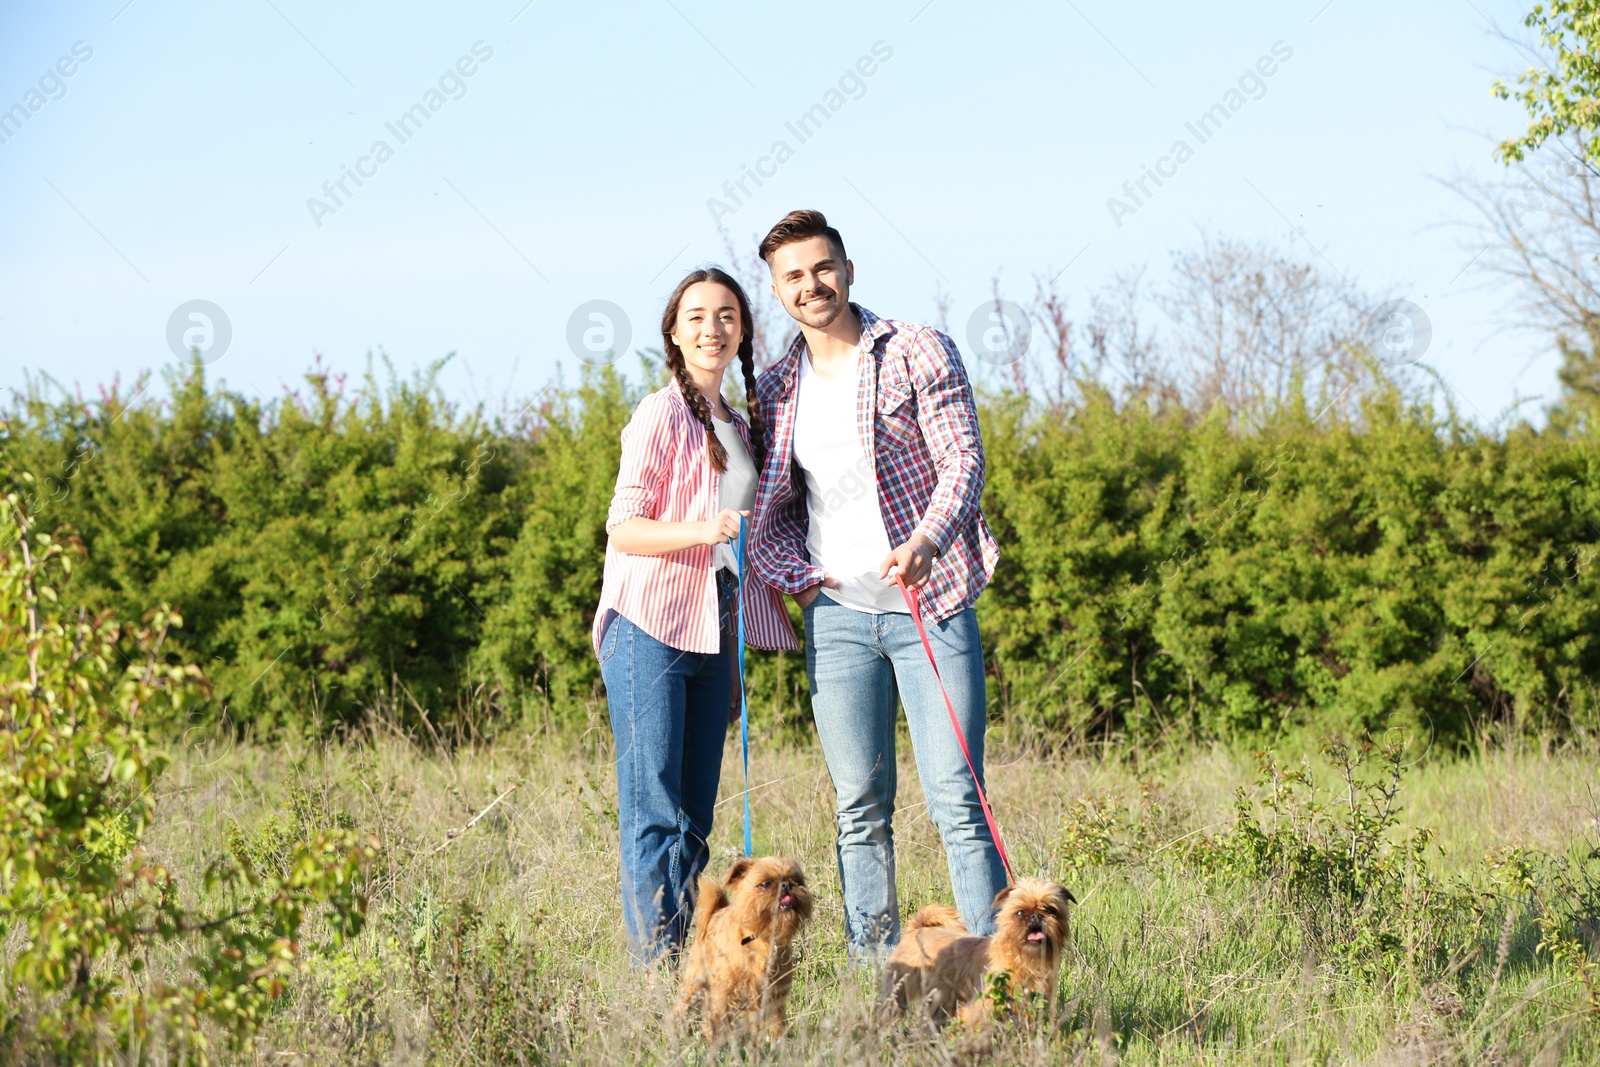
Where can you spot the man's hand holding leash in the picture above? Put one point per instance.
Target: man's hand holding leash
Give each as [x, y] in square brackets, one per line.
[914, 559]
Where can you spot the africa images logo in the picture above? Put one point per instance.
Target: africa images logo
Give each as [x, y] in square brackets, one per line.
[806, 126]
[199, 330]
[403, 128]
[1206, 126]
[599, 332]
[52, 86]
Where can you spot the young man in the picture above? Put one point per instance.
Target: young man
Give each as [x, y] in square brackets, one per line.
[875, 462]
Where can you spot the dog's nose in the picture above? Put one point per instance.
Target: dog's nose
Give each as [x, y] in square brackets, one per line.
[1035, 922]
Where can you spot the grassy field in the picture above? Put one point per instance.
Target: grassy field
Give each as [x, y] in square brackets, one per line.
[501, 942]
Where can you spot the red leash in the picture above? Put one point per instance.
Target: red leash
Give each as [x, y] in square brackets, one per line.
[914, 602]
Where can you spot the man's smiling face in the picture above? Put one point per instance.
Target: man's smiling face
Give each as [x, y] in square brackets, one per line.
[812, 280]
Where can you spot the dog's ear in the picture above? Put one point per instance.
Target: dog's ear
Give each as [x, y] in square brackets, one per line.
[1067, 893]
[998, 897]
[740, 868]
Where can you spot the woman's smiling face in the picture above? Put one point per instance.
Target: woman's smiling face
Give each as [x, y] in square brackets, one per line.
[708, 330]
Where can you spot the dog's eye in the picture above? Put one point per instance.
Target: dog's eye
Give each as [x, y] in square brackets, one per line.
[765, 885]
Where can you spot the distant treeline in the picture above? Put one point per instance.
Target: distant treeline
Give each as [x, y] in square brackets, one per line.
[1163, 570]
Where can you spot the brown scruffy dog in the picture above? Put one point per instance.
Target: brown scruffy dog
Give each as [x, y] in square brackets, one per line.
[741, 964]
[941, 966]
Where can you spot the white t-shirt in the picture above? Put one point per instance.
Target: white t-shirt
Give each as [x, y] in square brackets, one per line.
[846, 537]
[737, 489]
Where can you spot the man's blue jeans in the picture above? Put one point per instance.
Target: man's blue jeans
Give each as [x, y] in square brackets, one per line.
[669, 717]
[856, 663]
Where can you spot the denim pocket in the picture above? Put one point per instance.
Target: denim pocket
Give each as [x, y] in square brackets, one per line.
[608, 635]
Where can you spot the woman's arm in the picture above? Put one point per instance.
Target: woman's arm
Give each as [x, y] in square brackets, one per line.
[642, 536]
[641, 483]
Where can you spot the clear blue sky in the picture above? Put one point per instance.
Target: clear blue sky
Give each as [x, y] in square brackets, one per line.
[578, 159]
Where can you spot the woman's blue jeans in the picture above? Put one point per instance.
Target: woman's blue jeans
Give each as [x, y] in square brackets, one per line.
[669, 717]
[858, 663]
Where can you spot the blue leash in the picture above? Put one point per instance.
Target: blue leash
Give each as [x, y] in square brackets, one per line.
[744, 708]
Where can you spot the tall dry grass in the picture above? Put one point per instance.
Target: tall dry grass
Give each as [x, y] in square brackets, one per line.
[501, 941]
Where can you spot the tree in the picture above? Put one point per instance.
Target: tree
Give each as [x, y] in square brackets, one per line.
[1565, 100]
[1543, 232]
[1254, 328]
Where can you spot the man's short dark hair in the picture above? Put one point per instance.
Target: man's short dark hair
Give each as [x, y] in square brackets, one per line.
[800, 226]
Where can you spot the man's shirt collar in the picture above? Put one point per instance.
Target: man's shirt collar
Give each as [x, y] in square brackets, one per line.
[872, 328]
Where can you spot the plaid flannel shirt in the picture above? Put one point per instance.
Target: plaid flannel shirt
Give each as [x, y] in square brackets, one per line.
[916, 414]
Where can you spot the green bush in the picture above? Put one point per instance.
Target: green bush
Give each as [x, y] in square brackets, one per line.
[85, 980]
[1164, 572]
[326, 549]
[1361, 891]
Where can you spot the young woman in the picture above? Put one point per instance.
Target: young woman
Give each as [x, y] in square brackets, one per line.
[664, 629]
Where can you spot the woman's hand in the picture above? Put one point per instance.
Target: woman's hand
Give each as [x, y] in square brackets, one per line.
[723, 527]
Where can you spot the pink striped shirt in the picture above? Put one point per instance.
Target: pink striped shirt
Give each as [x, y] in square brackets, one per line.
[666, 475]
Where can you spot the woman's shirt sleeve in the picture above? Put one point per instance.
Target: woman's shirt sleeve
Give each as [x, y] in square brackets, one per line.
[643, 472]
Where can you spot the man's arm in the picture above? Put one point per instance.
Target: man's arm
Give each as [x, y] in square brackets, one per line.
[947, 414]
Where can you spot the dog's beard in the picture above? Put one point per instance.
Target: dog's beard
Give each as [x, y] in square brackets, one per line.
[1036, 937]
[1032, 962]
[771, 917]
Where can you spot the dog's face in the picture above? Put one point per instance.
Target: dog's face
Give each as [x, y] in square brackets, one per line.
[1031, 920]
[769, 896]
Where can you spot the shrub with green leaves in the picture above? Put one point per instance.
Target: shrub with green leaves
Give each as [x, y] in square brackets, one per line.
[325, 549]
[1362, 889]
[90, 920]
[1164, 572]
[1563, 893]
[1167, 574]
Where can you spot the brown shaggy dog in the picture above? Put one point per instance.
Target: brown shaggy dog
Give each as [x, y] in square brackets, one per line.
[941, 966]
[741, 964]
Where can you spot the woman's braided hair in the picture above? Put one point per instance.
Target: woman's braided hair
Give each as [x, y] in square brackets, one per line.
[691, 393]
